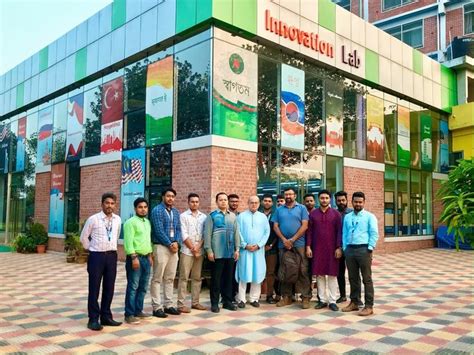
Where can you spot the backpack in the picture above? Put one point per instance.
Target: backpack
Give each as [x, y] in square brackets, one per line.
[290, 265]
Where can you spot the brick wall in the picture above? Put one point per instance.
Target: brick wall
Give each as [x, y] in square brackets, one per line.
[56, 244]
[454, 24]
[42, 189]
[376, 13]
[430, 34]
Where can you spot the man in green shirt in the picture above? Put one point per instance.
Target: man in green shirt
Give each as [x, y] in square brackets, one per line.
[137, 245]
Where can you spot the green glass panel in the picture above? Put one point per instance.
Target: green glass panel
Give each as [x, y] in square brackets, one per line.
[417, 62]
[119, 13]
[222, 10]
[203, 10]
[81, 63]
[43, 59]
[445, 99]
[244, 15]
[20, 92]
[185, 14]
[371, 66]
[327, 14]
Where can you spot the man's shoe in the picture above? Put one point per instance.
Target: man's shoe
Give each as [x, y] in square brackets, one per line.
[94, 326]
[366, 311]
[230, 306]
[110, 322]
[159, 314]
[341, 299]
[241, 304]
[172, 310]
[255, 304]
[184, 309]
[351, 307]
[360, 304]
[132, 320]
[320, 305]
[333, 307]
[271, 300]
[305, 302]
[215, 309]
[199, 307]
[284, 301]
[143, 315]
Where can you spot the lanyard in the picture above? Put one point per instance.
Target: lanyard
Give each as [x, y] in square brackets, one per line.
[108, 229]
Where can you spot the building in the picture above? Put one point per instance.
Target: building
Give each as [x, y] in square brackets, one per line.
[237, 96]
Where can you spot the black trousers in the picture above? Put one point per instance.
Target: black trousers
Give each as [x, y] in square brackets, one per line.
[221, 280]
[102, 269]
[359, 261]
[341, 277]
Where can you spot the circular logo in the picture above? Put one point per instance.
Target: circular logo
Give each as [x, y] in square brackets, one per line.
[236, 63]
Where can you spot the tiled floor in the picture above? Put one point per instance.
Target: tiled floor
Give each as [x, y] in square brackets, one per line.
[424, 303]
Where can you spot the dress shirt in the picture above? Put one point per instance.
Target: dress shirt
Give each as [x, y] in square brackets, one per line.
[221, 234]
[94, 235]
[166, 226]
[360, 228]
[137, 236]
[192, 227]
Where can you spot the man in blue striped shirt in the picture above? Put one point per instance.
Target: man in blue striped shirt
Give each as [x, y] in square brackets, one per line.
[359, 237]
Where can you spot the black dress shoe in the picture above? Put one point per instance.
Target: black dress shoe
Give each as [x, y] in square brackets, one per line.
[320, 305]
[110, 322]
[341, 299]
[255, 304]
[271, 300]
[159, 314]
[215, 309]
[333, 307]
[241, 304]
[172, 310]
[230, 306]
[94, 326]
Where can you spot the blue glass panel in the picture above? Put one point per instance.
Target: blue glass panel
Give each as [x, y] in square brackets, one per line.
[93, 28]
[166, 19]
[92, 57]
[105, 20]
[148, 28]
[61, 48]
[133, 9]
[2, 83]
[28, 68]
[60, 74]
[81, 35]
[118, 49]
[105, 45]
[14, 76]
[70, 73]
[43, 84]
[52, 53]
[147, 4]
[51, 79]
[132, 37]
[8, 83]
[27, 94]
[34, 87]
[71, 42]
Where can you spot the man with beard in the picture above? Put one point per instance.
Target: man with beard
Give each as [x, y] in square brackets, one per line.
[280, 200]
[309, 202]
[234, 201]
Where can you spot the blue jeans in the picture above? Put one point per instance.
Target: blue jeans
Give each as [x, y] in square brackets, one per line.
[137, 282]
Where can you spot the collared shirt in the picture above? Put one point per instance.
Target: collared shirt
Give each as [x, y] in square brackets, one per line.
[346, 211]
[166, 226]
[101, 233]
[221, 234]
[289, 221]
[360, 228]
[137, 236]
[192, 227]
[273, 238]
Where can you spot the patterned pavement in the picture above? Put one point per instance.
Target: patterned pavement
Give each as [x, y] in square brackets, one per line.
[424, 304]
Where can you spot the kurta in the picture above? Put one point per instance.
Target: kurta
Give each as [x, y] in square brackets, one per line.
[324, 236]
[254, 229]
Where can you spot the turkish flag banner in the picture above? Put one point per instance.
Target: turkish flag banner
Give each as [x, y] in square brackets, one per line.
[112, 101]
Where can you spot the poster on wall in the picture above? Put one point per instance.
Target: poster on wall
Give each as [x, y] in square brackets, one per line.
[426, 144]
[45, 137]
[403, 137]
[334, 119]
[111, 137]
[56, 199]
[4, 147]
[75, 117]
[375, 138]
[20, 144]
[112, 101]
[234, 95]
[159, 102]
[292, 107]
[133, 181]
[444, 147]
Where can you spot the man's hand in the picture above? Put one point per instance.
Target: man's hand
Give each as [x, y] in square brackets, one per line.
[287, 244]
[236, 255]
[150, 260]
[268, 247]
[210, 257]
[173, 247]
[309, 252]
[338, 253]
[135, 264]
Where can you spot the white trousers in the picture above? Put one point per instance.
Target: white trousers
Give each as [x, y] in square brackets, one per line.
[254, 294]
[324, 296]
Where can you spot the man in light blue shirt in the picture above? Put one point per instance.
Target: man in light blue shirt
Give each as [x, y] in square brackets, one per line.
[359, 237]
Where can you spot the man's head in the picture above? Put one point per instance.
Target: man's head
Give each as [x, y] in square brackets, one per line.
[193, 201]
[233, 202]
[341, 200]
[141, 207]
[358, 201]
[324, 197]
[168, 195]
[290, 195]
[222, 201]
[254, 203]
[309, 202]
[108, 203]
[267, 202]
[280, 200]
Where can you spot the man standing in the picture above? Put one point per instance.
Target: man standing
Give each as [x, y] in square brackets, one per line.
[222, 243]
[290, 224]
[99, 236]
[359, 237]
[323, 244]
[280, 200]
[309, 202]
[191, 258]
[271, 251]
[341, 202]
[137, 245]
[166, 237]
[234, 201]
[254, 232]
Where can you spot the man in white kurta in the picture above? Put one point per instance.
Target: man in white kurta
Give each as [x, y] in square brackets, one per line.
[251, 267]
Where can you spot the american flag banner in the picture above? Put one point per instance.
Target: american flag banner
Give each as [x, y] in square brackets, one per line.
[133, 180]
[132, 171]
[4, 132]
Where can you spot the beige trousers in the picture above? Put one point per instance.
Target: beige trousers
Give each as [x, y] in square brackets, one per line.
[189, 266]
[164, 272]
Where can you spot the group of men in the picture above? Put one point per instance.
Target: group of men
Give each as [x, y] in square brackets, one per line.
[274, 251]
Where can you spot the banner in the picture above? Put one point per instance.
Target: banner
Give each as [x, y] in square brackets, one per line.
[159, 102]
[4, 148]
[292, 107]
[45, 136]
[112, 101]
[375, 138]
[111, 137]
[334, 119]
[426, 144]
[234, 95]
[75, 118]
[133, 181]
[403, 137]
[20, 144]
[56, 199]
[444, 147]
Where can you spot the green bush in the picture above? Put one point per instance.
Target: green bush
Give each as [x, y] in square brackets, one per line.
[72, 244]
[23, 243]
[38, 233]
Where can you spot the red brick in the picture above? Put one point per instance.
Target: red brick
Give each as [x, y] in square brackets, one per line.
[42, 190]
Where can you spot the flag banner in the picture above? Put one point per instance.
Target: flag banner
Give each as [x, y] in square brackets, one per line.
[426, 144]
[111, 137]
[75, 118]
[112, 101]
[234, 94]
[375, 137]
[292, 107]
[56, 199]
[444, 147]
[403, 137]
[159, 102]
[4, 148]
[45, 136]
[20, 144]
[334, 119]
[133, 181]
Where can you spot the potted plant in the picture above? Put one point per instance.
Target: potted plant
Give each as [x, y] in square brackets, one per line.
[73, 247]
[23, 243]
[40, 236]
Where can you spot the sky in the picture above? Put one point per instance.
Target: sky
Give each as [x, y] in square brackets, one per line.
[26, 26]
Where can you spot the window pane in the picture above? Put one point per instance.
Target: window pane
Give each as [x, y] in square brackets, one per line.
[468, 18]
[135, 86]
[389, 200]
[290, 172]
[92, 119]
[415, 138]
[160, 166]
[403, 206]
[390, 130]
[267, 172]
[135, 129]
[413, 37]
[354, 121]
[415, 203]
[427, 203]
[387, 4]
[73, 178]
[314, 127]
[334, 174]
[267, 101]
[375, 127]
[435, 139]
[395, 32]
[59, 147]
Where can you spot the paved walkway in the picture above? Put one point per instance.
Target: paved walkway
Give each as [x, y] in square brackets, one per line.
[424, 303]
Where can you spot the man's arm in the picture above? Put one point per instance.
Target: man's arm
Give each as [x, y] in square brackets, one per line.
[237, 235]
[238, 221]
[345, 232]
[159, 235]
[86, 232]
[265, 233]
[178, 233]
[208, 226]
[300, 232]
[185, 232]
[128, 235]
[373, 232]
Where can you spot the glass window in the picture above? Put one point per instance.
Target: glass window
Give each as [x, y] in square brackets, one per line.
[334, 174]
[469, 18]
[61, 48]
[390, 4]
[60, 74]
[345, 4]
[13, 144]
[51, 73]
[354, 121]
[266, 170]
[70, 73]
[118, 49]
[148, 28]
[389, 200]
[390, 130]
[132, 36]
[70, 42]
[159, 169]
[135, 86]
[435, 140]
[92, 58]
[105, 20]
[314, 127]
[134, 130]
[81, 35]
[166, 20]
[416, 208]
[410, 33]
[73, 179]
[59, 132]
[92, 28]
[403, 205]
[3, 200]
[105, 47]
[268, 126]
[92, 120]
[415, 138]
[28, 68]
[427, 203]
[133, 9]
[31, 144]
[193, 107]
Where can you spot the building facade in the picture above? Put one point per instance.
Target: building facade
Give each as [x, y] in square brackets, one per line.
[238, 96]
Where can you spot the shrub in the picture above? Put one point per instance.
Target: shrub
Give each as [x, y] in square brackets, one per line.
[39, 234]
[23, 243]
